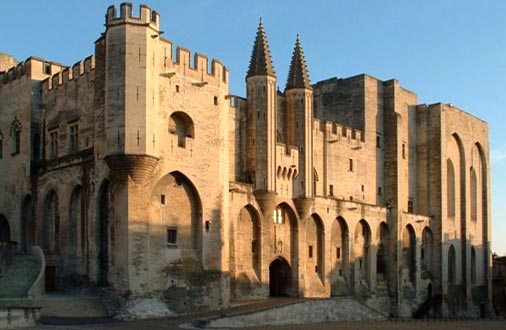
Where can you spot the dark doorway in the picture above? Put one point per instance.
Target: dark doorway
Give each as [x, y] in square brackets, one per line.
[103, 234]
[50, 278]
[280, 278]
[5, 231]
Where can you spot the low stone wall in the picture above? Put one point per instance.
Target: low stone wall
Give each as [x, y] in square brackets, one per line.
[18, 313]
[307, 311]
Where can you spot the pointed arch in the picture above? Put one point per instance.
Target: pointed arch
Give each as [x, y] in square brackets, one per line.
[315, 246]
[339, 252]
[16, 136]
[382, 252]
[245, 250]
[76, 225]
[51, 223]
[409, 251]
[284, 234]
[362, 251]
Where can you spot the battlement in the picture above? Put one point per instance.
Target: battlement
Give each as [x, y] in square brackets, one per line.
[33, 67]
[69, 73]
[146, 16]
[198, 69]
[335, 132]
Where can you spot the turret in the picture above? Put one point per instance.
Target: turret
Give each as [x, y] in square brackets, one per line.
[299, 120]
[261, 94]
[130, 46]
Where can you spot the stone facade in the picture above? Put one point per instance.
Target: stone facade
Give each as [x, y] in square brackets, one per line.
[145, 176]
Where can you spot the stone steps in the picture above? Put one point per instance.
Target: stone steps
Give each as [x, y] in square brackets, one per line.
[19, 276]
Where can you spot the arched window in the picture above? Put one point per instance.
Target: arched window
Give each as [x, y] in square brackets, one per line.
[181, 124]
[16, 137]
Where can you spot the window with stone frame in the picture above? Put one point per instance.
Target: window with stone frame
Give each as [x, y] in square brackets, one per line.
[73, 137]
[53, 143]
[16, 137]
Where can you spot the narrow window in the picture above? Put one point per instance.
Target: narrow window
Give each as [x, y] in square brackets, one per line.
[378, 141]
[379, 191]
[177, 88]
[254, 246]
[338, 253]
[74, 138]
[410, 205]
[403, 151]
[215, 100]
[310, 252]
[331, 190]
[162, 199]
[208, 225]
[351, 165]
[46, 68]
[363, 188]
[171, 235]
[16, 138]
[53, 144]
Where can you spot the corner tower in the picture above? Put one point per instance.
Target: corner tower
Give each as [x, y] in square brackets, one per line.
[299, 120]
[130, 44]
[261, 95]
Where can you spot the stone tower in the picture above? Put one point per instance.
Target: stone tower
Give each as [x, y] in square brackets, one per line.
[299, 108]
[261, 95]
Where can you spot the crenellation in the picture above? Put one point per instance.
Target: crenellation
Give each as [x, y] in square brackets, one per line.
[146, 15]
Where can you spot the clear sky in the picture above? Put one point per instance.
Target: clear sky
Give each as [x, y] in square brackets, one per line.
[450, 51]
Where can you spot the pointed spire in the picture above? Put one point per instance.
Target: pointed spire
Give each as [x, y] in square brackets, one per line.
[298, 76]
[261, 62]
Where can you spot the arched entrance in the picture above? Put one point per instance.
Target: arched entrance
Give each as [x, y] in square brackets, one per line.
[280, 278]
[5, 231]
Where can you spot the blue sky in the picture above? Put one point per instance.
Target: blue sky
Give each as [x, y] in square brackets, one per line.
[451, 51]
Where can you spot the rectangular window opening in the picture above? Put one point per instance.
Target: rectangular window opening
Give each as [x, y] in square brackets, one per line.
[172, 235]
[338, 253]
[331, 190]
[162, 199]
[215, 100]
[351, 165]
[177, 88]
[74, 138]
[310, 251]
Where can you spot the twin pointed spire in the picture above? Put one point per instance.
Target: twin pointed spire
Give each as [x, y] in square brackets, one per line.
[261, 61]
[298, 77]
